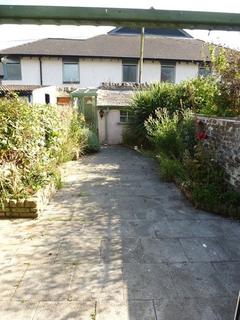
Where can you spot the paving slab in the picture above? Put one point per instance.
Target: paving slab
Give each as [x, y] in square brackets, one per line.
[220, 308]
[148, 281]
[17, 310]
[131, 310]
[116, 242]
[197, 280]
[82, 310]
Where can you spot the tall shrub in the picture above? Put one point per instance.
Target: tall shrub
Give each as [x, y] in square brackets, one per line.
[34, 139]
[226, 67]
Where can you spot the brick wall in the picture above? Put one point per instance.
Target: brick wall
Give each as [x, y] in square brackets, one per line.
[224, 136]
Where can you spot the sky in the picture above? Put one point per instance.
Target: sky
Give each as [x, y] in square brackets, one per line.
[12, 35]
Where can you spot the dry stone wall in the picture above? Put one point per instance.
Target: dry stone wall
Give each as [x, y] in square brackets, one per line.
[223, 135]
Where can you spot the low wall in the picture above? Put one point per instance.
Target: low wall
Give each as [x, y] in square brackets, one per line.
[223, 134]
[30, 207]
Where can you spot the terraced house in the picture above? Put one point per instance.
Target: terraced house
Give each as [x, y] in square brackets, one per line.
[169, 55]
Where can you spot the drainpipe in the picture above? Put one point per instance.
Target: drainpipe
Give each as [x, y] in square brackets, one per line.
[141, 56]
[40, 69]
[106, 126]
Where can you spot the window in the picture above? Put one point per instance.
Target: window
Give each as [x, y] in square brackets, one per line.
[71, 70]
[204, 71]
[168, 73]
[12, 69]
[130, 70]
[47, 98]
[125, 116]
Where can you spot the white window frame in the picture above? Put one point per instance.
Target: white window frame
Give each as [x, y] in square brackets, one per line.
[70, 61]
[172, 66]
[126, 117]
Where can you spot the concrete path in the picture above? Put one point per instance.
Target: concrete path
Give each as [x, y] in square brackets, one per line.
[116, 243]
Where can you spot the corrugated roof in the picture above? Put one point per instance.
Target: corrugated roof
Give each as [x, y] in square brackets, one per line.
[109, 46]
[18, 88]
[114, 98]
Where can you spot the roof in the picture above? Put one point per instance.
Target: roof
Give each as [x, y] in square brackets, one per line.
[151, 31]
[18, 88]
[109, 46]
[114, 98]
[84, 92]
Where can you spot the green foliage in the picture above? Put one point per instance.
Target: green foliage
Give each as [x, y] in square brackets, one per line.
[170, 169]
[226, 66]
[34, 139]
[207, 181]
[92, 141]
[190, 163]
[173, 133]
[201, 95]
[144, 104]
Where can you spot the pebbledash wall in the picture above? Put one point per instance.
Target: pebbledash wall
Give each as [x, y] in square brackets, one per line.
[92, 72]
[224, 135]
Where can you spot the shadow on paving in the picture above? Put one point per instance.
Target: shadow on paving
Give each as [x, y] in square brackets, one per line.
[118, 243]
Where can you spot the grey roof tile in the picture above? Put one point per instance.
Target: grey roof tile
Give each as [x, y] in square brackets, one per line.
[110, 46]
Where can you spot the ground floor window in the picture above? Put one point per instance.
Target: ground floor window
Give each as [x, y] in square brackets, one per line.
[125, 116]
[204, 70]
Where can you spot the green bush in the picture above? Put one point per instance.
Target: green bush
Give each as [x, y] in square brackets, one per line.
[171, 134]
[170, 169]
[93, 144]
[190, 163]
[226, 67]
[34, 139]
[201, 95]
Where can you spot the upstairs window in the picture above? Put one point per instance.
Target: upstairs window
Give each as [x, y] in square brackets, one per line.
[130, 70]
[168, 72]
[12, 69]
[71, 70]
[204, 70]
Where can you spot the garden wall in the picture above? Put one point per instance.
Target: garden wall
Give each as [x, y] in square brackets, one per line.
[223, 134]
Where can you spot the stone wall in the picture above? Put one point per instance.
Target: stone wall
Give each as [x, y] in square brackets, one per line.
[223, 135]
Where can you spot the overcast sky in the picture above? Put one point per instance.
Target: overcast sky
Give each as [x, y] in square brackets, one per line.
[12, 35]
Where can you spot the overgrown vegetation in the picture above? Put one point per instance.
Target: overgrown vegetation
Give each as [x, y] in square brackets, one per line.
[188, 162]
[226, 67]
[201, 95]
[162, 119]
[34, 140]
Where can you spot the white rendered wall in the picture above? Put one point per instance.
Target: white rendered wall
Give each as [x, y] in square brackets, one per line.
[186, 71]
[30, 70]
[114, 128]
[101, 128]
[151, 71]
[52, 71]
[38, 95]
[95, 71]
